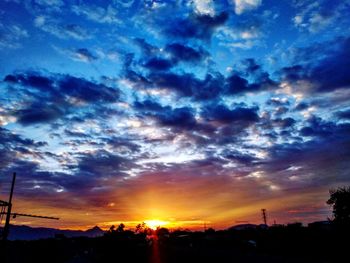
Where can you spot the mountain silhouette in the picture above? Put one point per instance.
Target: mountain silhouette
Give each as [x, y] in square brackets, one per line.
[23, 232]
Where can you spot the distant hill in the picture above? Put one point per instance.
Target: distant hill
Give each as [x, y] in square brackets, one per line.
[32, 233]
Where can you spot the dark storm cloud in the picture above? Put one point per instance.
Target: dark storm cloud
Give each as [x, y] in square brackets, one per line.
[159, 64]
[188, 85]
[181, 120]
[9, 139]
[239, 157]
[343, 114]
[148, 105]
[179, 117]
[217, 125]
[251, 67]
[195, 26]
[334, 71]
[213, 85]
[186, 53]
[31, 79]
[236, 84]
[79, 88]
[302, 106]
[36, 184]
[323, 160]
[328, 72]
[50, 96]
[86, 90]
[284, 123]
[103, 163]
[177, 52]
[12, 145]
[39, 112]
[317, 127]
[223, 114]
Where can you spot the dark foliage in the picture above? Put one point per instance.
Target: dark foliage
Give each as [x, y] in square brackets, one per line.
[340, 200]
[319, 243]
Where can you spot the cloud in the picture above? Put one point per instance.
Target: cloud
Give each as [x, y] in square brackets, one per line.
[326, 73]
[210, 87]
[58, 3]
[98, 14]
[103, 163]
[158, 64]
[38, 112]
[204, 7]
[181, 52]
[225, 115]
[86, 90]
[61, 30]
[318, 127]
[196, 26]
[15, 147]
[188, 85]
[178, 117]
[246, 33]
[53, 96]
[84, 55]
[12, 35]
[316, 157]
[315, 17]
[146, 48]
[343, 114]
[242, 6]
[78, 54]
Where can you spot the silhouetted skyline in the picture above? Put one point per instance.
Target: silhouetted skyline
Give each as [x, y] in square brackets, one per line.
[188, 113]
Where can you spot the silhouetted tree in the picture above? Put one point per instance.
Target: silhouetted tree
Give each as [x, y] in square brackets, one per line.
[120, 228]
[112, 229]
[140, 228]
[143, 229]
[340, 200]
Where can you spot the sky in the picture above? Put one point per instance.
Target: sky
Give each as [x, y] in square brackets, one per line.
[190, 112]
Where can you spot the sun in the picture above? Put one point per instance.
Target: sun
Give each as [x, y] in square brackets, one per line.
[155, 223]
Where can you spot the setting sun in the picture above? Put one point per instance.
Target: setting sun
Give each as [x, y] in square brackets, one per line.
[155, 223]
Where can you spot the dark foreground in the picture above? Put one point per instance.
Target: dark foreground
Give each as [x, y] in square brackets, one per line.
[276, 244]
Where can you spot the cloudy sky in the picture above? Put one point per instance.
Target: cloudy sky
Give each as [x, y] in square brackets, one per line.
[182, 111]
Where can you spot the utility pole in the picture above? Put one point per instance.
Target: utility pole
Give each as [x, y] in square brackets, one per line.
[264, 215]
[7, 212]
[9, 207]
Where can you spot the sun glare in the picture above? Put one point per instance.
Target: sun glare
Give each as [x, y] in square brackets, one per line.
[155, 223]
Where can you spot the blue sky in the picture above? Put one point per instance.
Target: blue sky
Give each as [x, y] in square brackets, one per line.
[198, 110]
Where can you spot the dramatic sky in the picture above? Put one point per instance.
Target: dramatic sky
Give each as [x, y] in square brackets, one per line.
[182, 111]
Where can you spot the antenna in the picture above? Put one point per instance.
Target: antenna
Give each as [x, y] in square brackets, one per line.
[8, 205]
[264, 215]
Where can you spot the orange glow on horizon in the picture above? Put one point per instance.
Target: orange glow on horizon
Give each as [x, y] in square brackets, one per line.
[155, 223]
[187, 203]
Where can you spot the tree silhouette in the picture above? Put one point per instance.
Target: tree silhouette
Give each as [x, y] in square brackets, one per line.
[340, 200]
[120, 228]
[140, 228]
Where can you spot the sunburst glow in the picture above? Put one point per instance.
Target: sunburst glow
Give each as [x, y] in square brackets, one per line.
[155, 223]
